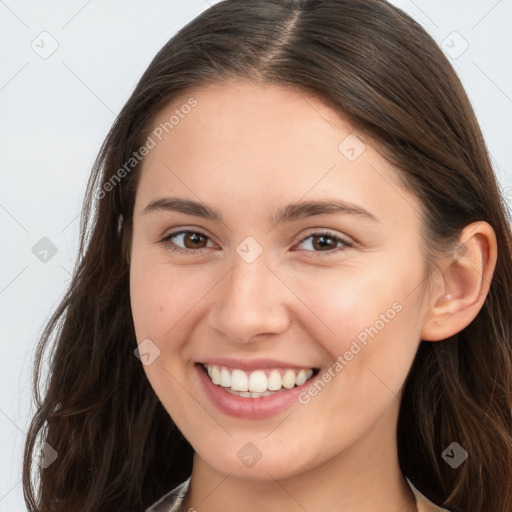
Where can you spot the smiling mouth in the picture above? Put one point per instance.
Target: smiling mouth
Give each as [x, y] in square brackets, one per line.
[257, 383]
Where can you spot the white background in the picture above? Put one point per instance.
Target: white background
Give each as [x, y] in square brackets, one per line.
[56, 111]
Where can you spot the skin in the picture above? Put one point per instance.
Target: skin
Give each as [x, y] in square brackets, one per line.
[248, 150]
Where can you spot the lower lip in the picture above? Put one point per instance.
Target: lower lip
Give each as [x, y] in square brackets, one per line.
[251, 408]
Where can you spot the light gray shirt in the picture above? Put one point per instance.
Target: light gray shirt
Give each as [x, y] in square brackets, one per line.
[173, 501]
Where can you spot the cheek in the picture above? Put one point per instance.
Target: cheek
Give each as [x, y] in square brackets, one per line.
[343, 303]
[160, 297]
[367, 317]
[160, 300]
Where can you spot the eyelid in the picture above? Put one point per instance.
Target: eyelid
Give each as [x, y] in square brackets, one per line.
[326, 232]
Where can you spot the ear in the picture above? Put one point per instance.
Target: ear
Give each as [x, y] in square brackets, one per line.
[463, 283]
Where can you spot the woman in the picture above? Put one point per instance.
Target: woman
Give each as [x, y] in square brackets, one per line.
[295, 227]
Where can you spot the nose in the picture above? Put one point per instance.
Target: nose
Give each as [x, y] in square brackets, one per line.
[252, 301]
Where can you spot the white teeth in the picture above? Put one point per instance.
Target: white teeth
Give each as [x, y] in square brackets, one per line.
[301, 378]
[215, 376]
[274, 380]
[288, 379]
[256, 384]
[258, 381]
[239, 381]
[225, 378]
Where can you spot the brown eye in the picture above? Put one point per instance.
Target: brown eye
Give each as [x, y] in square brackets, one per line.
[186, 241]
[194, 239]
[325, 243]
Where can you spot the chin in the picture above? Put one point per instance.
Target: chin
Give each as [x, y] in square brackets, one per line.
[252, 461]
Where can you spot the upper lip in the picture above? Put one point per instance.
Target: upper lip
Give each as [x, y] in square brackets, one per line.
[253, 364]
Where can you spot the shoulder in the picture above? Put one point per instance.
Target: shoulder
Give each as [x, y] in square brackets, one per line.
[172, 501]
[423, 503]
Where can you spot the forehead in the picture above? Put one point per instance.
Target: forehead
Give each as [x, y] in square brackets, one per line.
[262, 143]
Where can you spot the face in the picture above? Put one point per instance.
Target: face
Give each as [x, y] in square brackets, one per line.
[262, 295]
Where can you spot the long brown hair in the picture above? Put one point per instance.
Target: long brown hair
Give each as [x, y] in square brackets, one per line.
[117, 447]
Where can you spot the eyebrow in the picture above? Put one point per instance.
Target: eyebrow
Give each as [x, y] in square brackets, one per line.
[289, 213]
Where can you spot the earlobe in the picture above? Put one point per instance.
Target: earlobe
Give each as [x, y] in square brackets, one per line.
[465, 279]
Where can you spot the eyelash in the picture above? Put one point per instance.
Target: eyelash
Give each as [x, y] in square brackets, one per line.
[172, 247]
